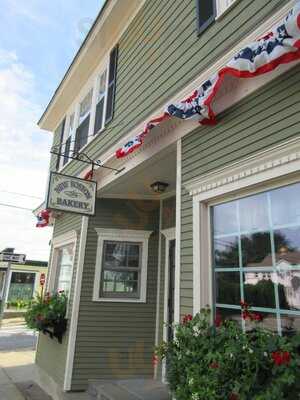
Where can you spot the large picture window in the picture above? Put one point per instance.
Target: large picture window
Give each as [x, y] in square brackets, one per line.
[256, 257]
[121, 265]
[64, 267]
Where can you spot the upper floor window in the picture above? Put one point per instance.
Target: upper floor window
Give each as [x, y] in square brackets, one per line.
[69, 137]
[60, 131]
[206, 14]
[101, 103]
[223, 5]
[82, 131]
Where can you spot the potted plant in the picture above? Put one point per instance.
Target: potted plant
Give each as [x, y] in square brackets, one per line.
[219, 361]
[47, 314]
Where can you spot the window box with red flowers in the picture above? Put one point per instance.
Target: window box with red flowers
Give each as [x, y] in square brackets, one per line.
[220, 361]
[47, 315]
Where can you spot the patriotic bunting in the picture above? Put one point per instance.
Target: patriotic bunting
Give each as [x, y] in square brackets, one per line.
[43, 219]
[281, 46]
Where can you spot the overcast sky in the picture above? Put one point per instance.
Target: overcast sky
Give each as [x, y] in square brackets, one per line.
[38, 40]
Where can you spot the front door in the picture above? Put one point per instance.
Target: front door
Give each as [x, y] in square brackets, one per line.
[171, 287]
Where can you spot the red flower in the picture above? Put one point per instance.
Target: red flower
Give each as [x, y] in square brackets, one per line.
[244, 305]
[246, 315]
[187, 318]
[218, 320]
[155, 360]
[281, 358]
[233, 396]
[257, 317]
[214, 365]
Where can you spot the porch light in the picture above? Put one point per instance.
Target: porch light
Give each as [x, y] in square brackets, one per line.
[159, 187]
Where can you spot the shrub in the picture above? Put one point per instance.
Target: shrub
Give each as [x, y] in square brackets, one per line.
[208, 362]
[46, 311]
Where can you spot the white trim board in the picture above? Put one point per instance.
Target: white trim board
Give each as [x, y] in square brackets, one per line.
[178, 236]
[169, 234]
[272, 168]
[126, 235]
[75, 306]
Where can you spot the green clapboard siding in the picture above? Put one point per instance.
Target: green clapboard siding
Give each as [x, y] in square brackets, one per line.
[116, 340]
[269, 116]
[51, 356]
[160, 53]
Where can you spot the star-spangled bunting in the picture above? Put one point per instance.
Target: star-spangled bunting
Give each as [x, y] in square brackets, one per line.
[280, 46]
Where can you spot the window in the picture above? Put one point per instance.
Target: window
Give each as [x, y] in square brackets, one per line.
[82, 131]
[206, 13]
[64, 267]
[99, 119]
[68, 139]
[223, 5]
[121, 266]
[60, 134]
[256, 257]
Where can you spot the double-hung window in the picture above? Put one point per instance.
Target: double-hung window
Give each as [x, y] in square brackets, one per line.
[101, 103]
[121, 266]
[82, 131]
[59, 133]
[69, 139]
[256, 257]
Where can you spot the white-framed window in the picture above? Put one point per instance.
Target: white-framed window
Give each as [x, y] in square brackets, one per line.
[223, 6]
[82, 131]
[246, 238]
[62, 262]
[69, 138]
[101, 102]
[121, 265]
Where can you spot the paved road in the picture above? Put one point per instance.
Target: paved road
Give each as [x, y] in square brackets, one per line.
[17, 337]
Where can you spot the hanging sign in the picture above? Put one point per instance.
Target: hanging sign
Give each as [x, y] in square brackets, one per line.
[12, 257]
[42, 279]
[71, 194]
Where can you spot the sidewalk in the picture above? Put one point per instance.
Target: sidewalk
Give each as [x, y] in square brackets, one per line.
[21, 379]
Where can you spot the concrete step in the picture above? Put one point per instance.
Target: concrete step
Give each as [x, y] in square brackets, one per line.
[131, 389]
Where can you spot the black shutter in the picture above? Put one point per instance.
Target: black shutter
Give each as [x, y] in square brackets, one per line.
[113, 59]
[99, 116]
[67, 150]
[60, 132]
[206, 14]
[82, 133]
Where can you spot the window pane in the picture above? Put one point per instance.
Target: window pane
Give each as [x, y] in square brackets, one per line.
[228, 288]
[85, 106]
[290, 324]
[225, 219]
[120, 282]
[287, 247]
[223, 314]
[254, 213]
[289, 289]
[22, 277]
[259, 289]
[286, 205]
[64, 268]
[256, 250]
[269, 321]
[102, 86]
[226, 252]
[115, 254]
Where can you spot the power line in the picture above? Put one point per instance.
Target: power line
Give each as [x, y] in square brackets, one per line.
[22, 194]
[12, 206]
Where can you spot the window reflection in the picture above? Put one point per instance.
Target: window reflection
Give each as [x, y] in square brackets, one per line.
[225, 219]
[228, 288]
[290, 324]
[259, 289]
[222, 314]
[285, 205]
[287, 247]
[269, 322]
[256, 250]
[254, 213]
[289, 293]
[226, 252]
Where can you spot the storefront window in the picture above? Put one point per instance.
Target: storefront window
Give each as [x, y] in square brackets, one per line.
[256, 257]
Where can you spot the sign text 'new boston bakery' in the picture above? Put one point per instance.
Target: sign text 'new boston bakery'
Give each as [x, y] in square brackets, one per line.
[70, 194]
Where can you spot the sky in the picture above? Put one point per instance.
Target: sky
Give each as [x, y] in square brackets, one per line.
[38, 41]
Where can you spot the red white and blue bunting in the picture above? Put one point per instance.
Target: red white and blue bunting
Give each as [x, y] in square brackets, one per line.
[280, 46]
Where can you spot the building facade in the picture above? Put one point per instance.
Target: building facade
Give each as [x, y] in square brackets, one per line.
[224, 224]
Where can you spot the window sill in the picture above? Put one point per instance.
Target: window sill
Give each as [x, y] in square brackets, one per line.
[118, 300]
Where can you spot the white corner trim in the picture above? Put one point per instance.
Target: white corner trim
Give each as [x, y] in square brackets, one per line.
[158, 284]
[126, 235]
[178, 237]
[75, 306]
[269, 164]
[169, 234]
[64, 239]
